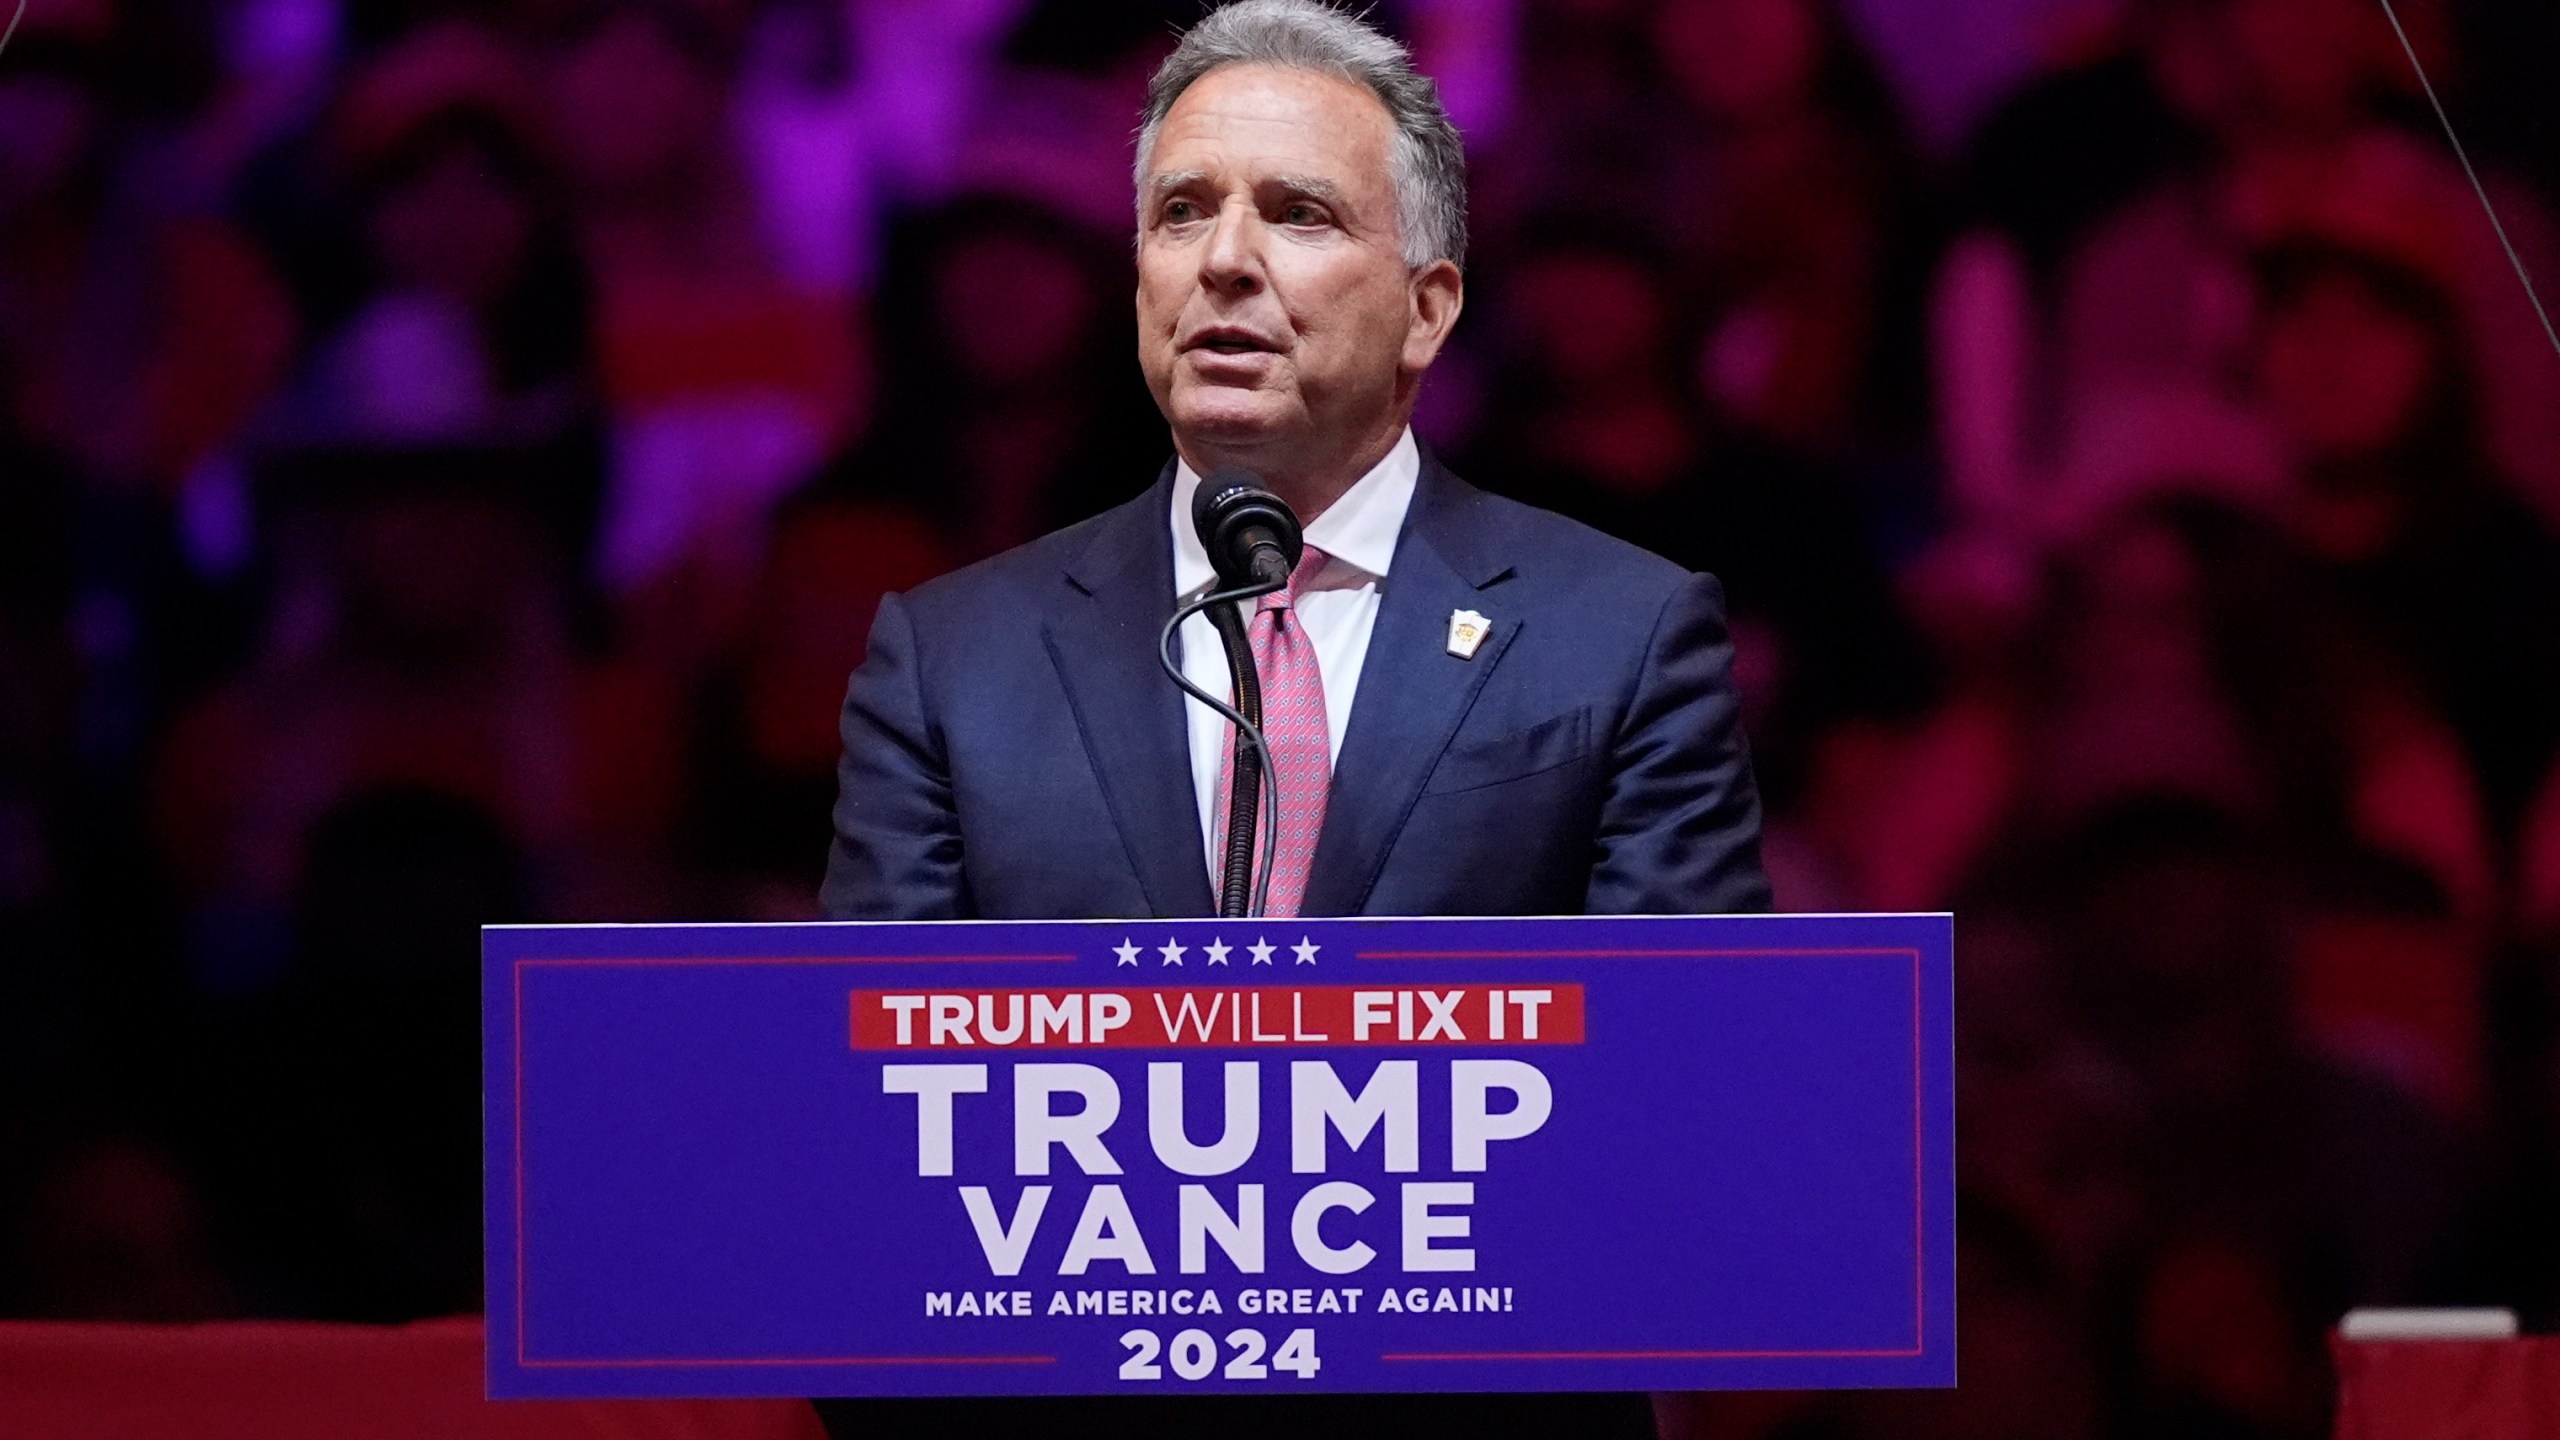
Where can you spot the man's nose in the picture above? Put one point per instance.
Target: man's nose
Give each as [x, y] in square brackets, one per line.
[1232, 264]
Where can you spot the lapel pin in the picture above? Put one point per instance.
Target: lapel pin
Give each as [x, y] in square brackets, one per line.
[1467, 630]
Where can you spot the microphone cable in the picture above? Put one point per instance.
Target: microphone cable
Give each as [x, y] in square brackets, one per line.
[2472, 174]
[1267, 811]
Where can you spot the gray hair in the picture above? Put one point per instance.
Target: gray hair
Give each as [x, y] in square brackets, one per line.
[1426, 162]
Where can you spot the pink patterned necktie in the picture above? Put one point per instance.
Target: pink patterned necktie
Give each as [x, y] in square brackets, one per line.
[1294, 726]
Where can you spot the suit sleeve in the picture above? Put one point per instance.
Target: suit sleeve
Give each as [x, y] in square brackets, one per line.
[897, 852]
[1679, 830]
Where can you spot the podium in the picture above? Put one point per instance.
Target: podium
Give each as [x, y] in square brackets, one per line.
[1219, 1157]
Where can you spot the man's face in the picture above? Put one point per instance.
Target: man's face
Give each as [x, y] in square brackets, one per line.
[1277, 320]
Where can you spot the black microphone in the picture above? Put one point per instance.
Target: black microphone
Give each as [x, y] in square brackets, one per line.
[1252, 535]
[1254, 542]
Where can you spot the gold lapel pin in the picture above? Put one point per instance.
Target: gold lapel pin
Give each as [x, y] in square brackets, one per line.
[1467, 630]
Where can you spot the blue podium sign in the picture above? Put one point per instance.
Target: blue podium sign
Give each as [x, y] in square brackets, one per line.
[1064, 1158]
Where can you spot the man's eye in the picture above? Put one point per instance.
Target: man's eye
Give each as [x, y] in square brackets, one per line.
[1301, 214]
[1178, 211]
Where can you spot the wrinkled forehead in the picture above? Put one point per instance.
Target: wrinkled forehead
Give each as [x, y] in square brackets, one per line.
[1253, 125]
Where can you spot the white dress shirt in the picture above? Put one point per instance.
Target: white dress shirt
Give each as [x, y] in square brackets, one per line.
[1337, 610]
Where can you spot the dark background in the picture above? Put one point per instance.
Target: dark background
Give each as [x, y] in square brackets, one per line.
[449, 455]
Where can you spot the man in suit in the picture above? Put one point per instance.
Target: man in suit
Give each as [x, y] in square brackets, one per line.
[1011, 748]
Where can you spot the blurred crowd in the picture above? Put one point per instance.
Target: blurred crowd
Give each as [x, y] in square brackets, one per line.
[450, 454]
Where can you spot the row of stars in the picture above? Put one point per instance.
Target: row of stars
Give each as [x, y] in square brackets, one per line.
[1217, 950]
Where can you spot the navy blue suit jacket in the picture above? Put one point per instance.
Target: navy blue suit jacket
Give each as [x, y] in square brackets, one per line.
[1013, 750]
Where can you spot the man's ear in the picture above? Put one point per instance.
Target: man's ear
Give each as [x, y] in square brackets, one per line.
[1439, 293]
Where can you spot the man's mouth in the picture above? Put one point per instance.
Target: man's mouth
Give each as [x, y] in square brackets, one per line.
[1226, 341]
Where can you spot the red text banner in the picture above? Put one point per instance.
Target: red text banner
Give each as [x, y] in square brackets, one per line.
[1223, 1017]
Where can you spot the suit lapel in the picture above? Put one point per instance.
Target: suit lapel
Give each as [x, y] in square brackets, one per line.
[1103, 642]
[1412, 691]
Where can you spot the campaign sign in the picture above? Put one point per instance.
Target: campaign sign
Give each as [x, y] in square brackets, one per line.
[1249, 1157]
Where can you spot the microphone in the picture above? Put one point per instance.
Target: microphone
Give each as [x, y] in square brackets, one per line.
[1252, 535]
[1253, 541]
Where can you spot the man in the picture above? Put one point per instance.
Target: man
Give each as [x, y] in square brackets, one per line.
[1011, 748]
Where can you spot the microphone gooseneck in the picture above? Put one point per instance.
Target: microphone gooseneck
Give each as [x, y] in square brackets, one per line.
[1254, 540]
[1239, 893]
[1244, 808]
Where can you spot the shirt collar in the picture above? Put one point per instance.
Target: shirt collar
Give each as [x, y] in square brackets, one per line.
[1359, 530]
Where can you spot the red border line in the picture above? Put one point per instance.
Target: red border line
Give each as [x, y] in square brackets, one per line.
[1663, 1355]
[796, 1360]
[518, 969]
[559, 960]
[1919, 1180]
[1919, 1154]
[1627, 954]
[1918, 1163]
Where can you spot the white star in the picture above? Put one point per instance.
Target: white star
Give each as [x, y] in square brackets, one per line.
[1171, 950]
[1306, 949]
[1216, 950]
[1127, 952]
[1261, 949]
